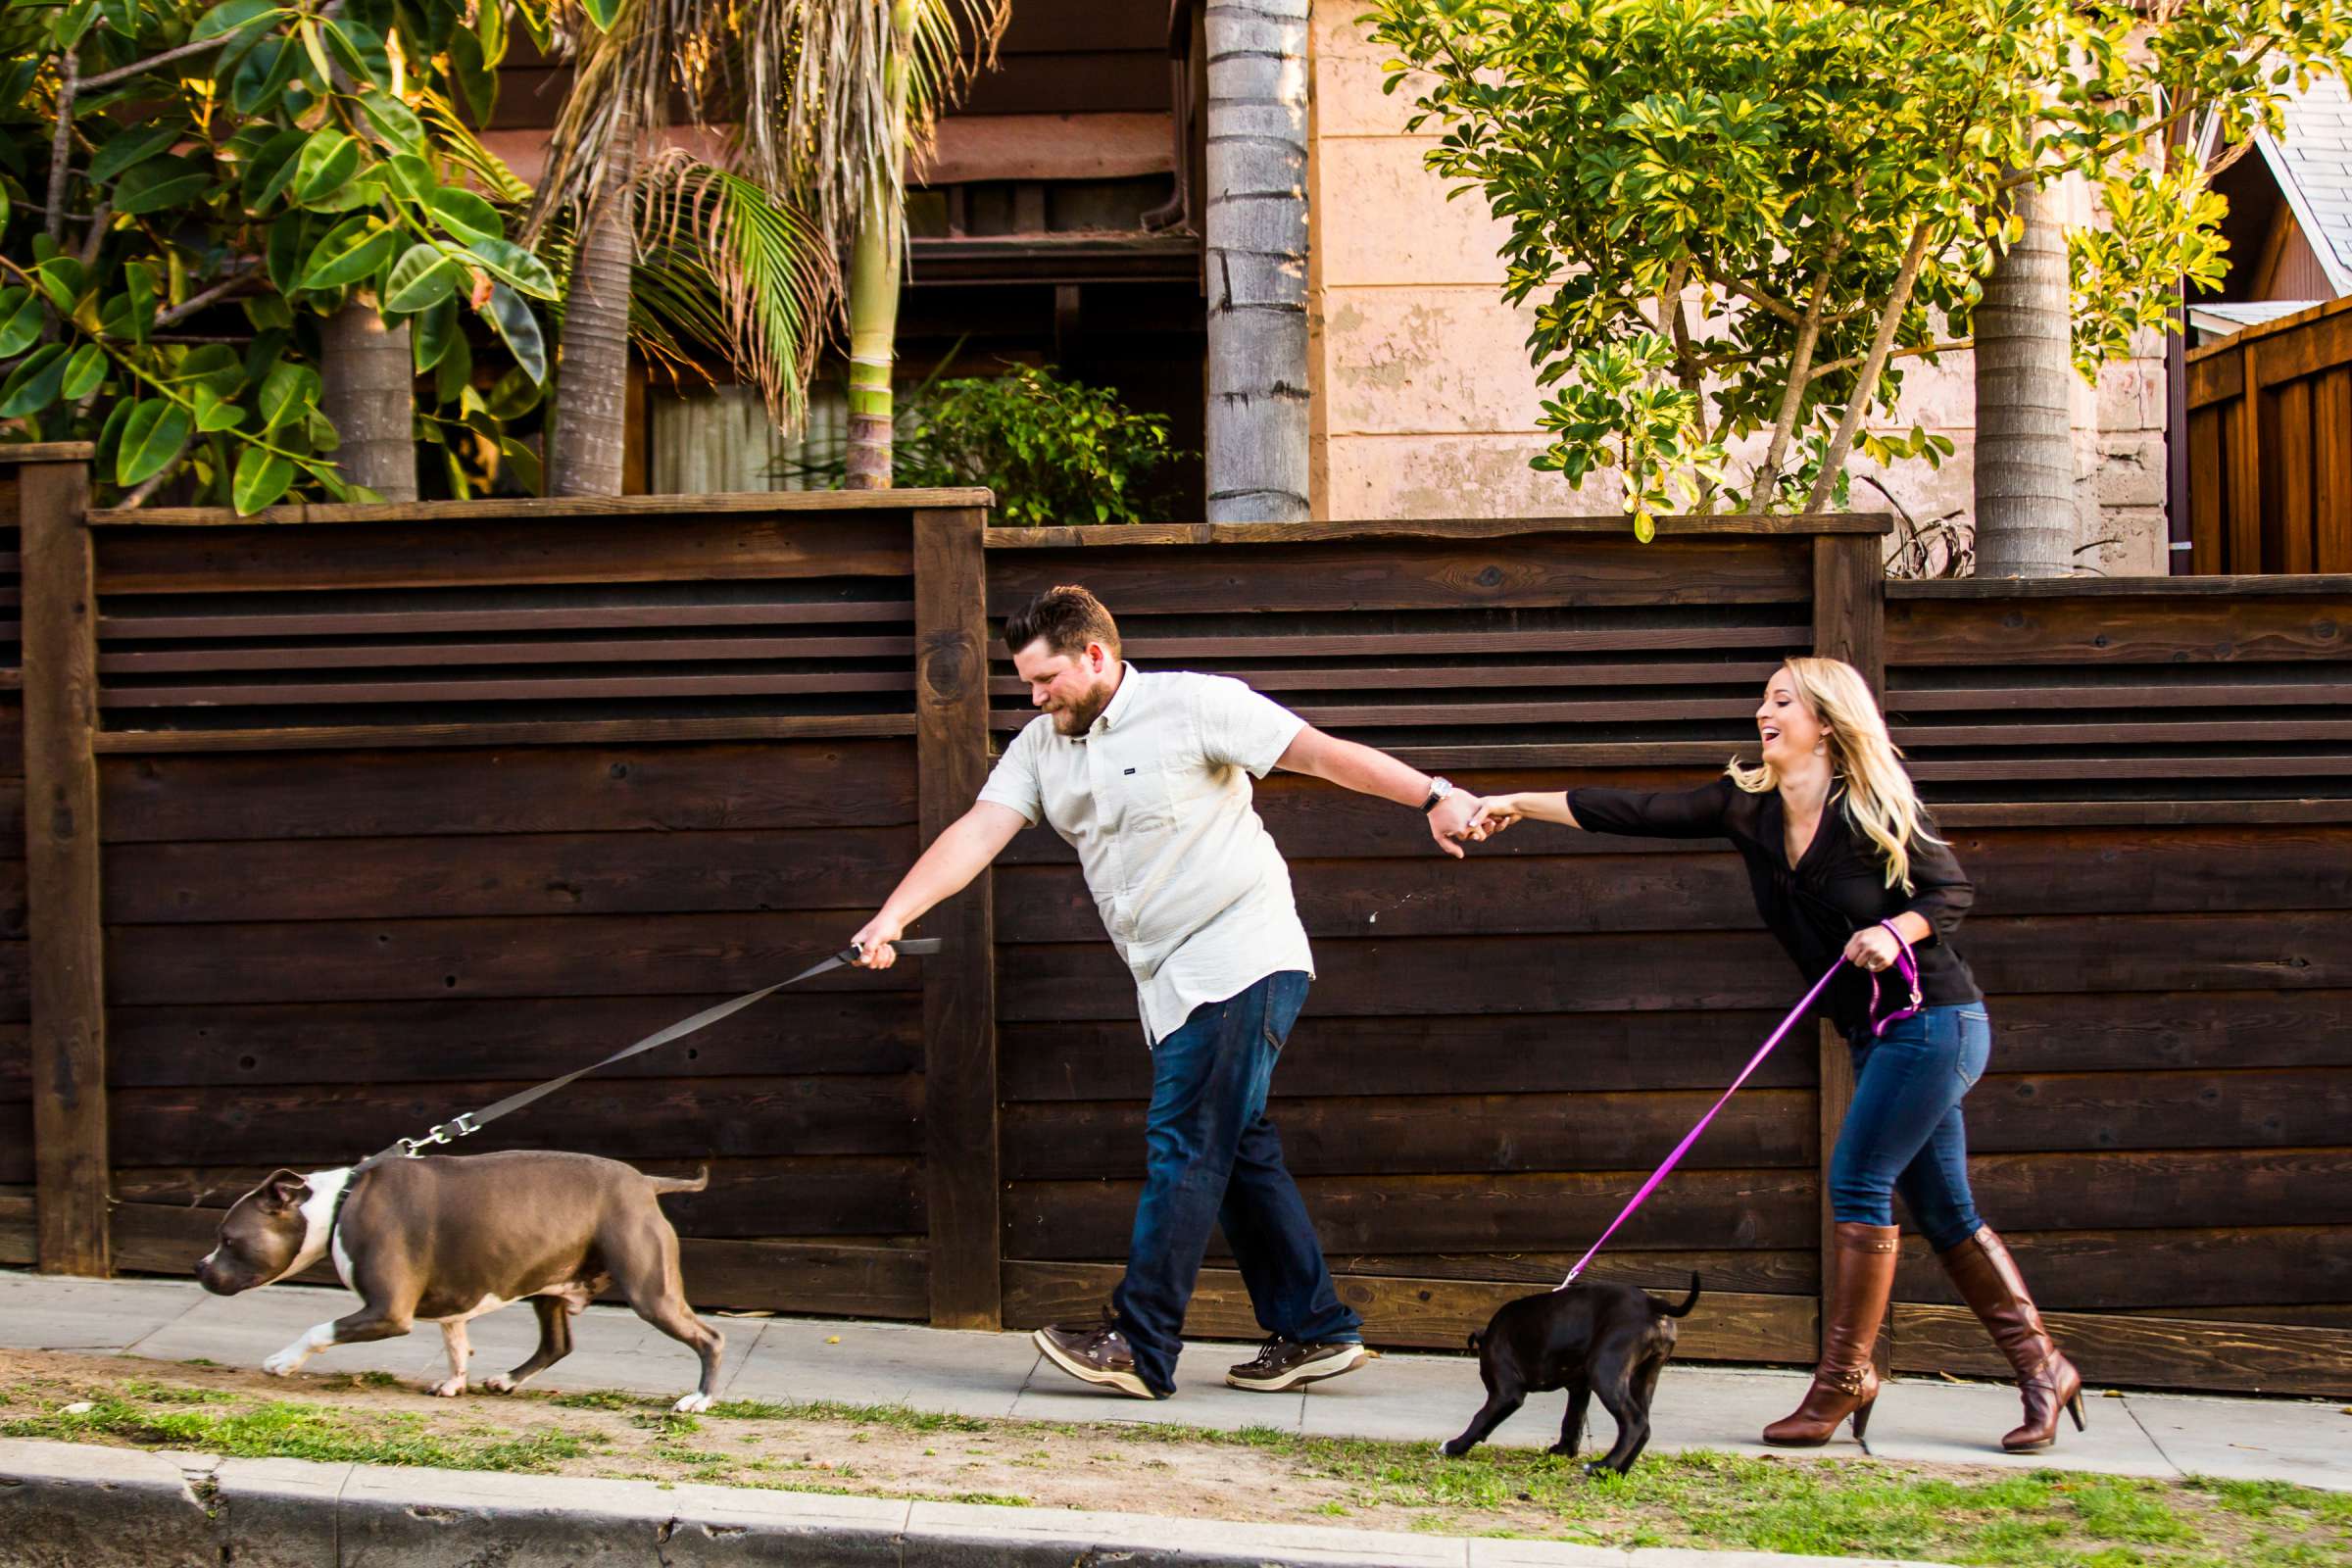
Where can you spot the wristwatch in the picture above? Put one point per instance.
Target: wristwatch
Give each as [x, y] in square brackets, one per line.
[1439, 789]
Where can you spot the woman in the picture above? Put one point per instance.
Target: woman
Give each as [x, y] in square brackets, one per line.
[1845, 865]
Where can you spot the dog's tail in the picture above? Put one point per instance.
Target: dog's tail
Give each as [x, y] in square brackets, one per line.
[679, 1183]
[1689, 1302]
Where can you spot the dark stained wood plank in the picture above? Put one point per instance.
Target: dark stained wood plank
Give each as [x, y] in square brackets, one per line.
[960, 998]
[527, 875]
[1412, 1313]
[2187, 696]
[527, 509]
[2331, 471]
[67, 957]
[2140, 1031]
[570, 732]
[20, 453]
[2153, 1270]
[277, 657]
[2139, 813]
[1524, 1053]
[2289, 525]
[416, 960]
[316, 1125]
[1553, 1211]
[16, 983]
[1186, 651]
[2253, 623]
[2246, 1110]
[1788, 1273]
[385, 1042]
[1380, 576]
[2186, 952]
[1196, 535]
[2326, 765]
[875, 1194]
[119, 624]
[526, 551]
[11, 819]
[2164, 1189]
[2158, 870]
[2143, 1351]
[1439, 1134]
[1485, 676]
[2206, 499]
[491, 689]
[17, 1243]
[733, 788]
[2301, 730]
[2238, 585]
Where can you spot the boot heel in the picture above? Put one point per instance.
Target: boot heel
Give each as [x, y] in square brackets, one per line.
[2074, 1407]
[1862, 1422]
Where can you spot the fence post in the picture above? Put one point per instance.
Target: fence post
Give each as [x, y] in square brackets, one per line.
[959, 986]
[1849, 623]
[63, 920]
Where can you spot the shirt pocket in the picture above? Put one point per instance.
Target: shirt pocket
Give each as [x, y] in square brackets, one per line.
[1146, 797]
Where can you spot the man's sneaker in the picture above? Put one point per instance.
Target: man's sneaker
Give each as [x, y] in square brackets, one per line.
[1286, 1363]
[1097, 1353]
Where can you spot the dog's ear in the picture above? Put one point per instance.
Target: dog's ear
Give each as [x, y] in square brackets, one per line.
[282, 1192]
[1478, 1339]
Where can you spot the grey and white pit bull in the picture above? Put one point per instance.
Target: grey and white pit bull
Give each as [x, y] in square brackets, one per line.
[449, 1239]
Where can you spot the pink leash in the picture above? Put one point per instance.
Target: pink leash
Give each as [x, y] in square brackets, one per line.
[1878, 1027]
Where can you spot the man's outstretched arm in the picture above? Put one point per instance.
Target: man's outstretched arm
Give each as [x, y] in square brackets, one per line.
[945, 869]
[1370, 773]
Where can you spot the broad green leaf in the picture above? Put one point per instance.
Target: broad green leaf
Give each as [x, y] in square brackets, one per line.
[151, 438]
[325, 165]
[162, 183]
[412, 176]
[229, 17]
[421, 277]
[272, 169]
[510, 263]
[520, 328]
[477, 77]
[19, 322]
[131, 149]
[290, 392]
[261, 478]
[212, 414]
[32, 385]
[602, 13]
[73, 22]
[212, 365]
[512, 453]
[467, 216]
[316, 47]
[333, 265]
[393, 121]
[60, 277]
[268, 312]
[430, 332]
[140, 289]
[110, 434]
[359, 50]
[83, 372]
[456, 369]
[264, 74]
[285, 255]
[515, 395]
[266, 352]
[365, 191]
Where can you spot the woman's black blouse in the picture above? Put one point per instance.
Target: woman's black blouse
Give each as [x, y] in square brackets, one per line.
[1835, 889]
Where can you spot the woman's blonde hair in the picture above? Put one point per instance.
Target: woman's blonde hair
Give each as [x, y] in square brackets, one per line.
[1879, 795]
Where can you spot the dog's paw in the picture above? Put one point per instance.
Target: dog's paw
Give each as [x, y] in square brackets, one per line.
[1455, 1449]
[1600, 1469]
[498, 1383]
[283, 1364]
[450, 1387]
[1562, 1450]
[692, 1405]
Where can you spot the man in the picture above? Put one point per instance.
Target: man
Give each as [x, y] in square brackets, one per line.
[1148, 777]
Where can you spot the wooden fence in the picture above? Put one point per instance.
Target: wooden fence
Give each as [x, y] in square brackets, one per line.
[394, 808]
[2269, 447]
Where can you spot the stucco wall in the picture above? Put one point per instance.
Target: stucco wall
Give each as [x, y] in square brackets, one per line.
[1424, 400]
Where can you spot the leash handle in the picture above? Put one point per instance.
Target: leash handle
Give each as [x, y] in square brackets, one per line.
[1908, 965]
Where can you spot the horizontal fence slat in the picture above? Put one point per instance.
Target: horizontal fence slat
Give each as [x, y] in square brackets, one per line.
[2089, 630]
[1487, 674]
[385, 656]
[1916, 738]
[2156, 1352]
[2169, 694]
[545, 689]
[134, 625]
[2092, 1271]
[1188, 649]
[502, 732]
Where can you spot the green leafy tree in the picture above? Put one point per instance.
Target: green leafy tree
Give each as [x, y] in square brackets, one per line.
[214, 184]
[1738, 221]
[1053, 451]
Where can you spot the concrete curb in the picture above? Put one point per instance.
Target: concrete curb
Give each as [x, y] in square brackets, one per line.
[72, 1506]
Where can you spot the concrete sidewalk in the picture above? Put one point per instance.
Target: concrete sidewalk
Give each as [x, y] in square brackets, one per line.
[1398, 1396]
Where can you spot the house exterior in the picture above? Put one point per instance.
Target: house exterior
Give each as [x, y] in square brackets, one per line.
[2290, 218]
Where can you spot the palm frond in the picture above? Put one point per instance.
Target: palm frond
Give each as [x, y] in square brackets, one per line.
[721, 252]
[498, 182]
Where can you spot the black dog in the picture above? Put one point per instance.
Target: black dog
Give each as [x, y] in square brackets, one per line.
[1609, 1339]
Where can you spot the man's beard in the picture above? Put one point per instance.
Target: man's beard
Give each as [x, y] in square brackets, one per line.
[1080, 717]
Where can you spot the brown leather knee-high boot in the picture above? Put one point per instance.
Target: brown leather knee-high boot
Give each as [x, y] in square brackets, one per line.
[1845, 1383]
[1996, 1291]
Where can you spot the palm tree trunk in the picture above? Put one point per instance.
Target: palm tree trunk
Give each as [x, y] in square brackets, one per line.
[591, 358]
[369, 396]
[2025, 479]
[1255, 234]
[875, 264]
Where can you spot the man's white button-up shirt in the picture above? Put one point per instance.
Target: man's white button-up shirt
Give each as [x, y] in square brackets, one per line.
[1155, 799]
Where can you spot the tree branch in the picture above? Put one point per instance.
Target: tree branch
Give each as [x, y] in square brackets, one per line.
[197, 302]
[61, 143]
[1873, 363]
[1766, 483]
[119, 73]
[1951, 346]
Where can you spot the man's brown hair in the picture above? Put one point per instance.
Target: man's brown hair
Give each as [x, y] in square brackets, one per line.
[1067, 617]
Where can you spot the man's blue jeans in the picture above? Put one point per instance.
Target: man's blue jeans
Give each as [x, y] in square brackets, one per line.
[1213, 1156]
[1904, 1132]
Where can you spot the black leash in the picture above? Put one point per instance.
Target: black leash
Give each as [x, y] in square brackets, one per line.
[473, 1121]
